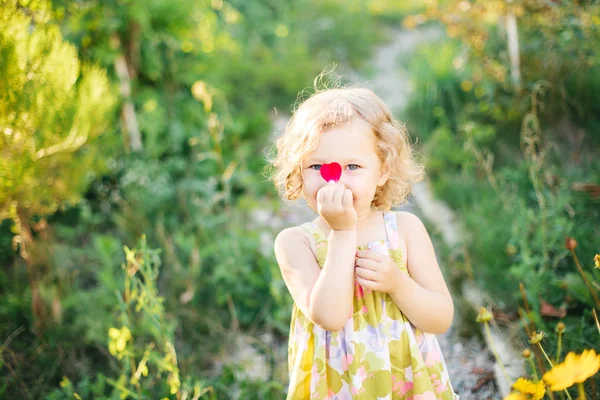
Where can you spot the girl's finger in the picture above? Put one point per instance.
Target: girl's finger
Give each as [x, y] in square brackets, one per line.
[365, 273]
[328, 195]
[347, 199]
[336, 197]
[368, 284]
[320, 194]
[366, 263]
[371, 255]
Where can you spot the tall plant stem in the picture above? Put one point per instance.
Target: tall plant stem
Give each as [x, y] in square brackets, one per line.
[535, 375]
[581, 391]
[558, 347]
[489, 335]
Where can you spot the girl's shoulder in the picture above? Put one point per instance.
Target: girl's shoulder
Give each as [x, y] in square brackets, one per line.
[293, 235]
[407, 222]
[296, 237]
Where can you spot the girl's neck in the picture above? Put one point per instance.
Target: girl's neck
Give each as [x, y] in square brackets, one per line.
[365, 219]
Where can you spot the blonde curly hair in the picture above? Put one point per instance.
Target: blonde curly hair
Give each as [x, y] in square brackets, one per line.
[329, 107]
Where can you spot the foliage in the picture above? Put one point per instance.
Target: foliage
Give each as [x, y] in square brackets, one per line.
[548, 372]
[201, 78]
[50, 107]
[143, 345]
[466, 83]
[509, 149]
[393, 12]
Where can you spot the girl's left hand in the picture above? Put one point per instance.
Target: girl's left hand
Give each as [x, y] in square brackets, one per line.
[376, 271]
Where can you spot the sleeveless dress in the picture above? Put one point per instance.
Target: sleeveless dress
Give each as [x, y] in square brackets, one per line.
[378, 354]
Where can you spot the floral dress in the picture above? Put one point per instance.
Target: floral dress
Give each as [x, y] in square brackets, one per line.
[378, 354]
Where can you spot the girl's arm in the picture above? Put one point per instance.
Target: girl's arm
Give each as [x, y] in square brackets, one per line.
[423, 296]
[324, 296]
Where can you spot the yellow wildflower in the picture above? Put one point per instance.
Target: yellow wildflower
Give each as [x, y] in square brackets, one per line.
[575, 369]
[537, 390]
[560, 327]
[536, 337]
[597, 261]
[516, 396]
[409, 22]
[526, 353]
[484, 315]
[118, 340]
[114, 333]
[466, 86]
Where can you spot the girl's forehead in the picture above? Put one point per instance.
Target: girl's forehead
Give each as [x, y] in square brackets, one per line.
[346, 141]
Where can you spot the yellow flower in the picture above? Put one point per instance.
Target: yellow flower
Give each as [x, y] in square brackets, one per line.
[536, 390]
[409, 22]
[65, 382]
[597, 261]
[536, 337]
[114, 333]
[516, 396]
[484, 315]
[118, 340]
[466, 86]
[575, 369]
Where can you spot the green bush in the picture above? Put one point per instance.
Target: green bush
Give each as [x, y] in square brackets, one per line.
[512, 159]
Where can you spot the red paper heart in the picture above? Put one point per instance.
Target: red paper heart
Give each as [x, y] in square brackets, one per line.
[331, 172]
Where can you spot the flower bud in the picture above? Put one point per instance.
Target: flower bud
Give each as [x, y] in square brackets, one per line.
[536, 337]
[484, 315]
[570, 243]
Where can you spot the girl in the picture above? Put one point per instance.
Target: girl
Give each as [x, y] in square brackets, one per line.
[368, 293]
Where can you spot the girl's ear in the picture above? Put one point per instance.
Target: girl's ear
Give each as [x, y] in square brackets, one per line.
[385, 175]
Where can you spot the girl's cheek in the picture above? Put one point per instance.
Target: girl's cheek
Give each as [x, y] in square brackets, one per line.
[311, 186]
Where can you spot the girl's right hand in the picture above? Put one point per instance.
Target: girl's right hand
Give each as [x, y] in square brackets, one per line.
[336, 206]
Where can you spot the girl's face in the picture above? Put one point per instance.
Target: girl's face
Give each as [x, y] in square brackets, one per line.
[352, 145]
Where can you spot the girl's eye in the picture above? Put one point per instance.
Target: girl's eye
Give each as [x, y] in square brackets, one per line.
[353, 167]
[316, 167]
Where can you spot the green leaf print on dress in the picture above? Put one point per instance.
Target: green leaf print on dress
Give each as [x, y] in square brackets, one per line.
[378, 353]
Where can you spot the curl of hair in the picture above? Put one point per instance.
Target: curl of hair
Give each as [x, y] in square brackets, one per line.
[329, 107]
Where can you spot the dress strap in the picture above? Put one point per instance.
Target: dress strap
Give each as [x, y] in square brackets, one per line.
[314, 230]
[391, 228]
[319, 246]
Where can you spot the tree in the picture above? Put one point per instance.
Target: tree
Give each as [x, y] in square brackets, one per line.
[51, 109]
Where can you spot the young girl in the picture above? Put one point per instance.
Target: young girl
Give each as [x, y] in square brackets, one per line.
[368, 293]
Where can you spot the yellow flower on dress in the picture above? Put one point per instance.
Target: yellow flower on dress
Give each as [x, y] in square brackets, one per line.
[537, 390]
[575, 369]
